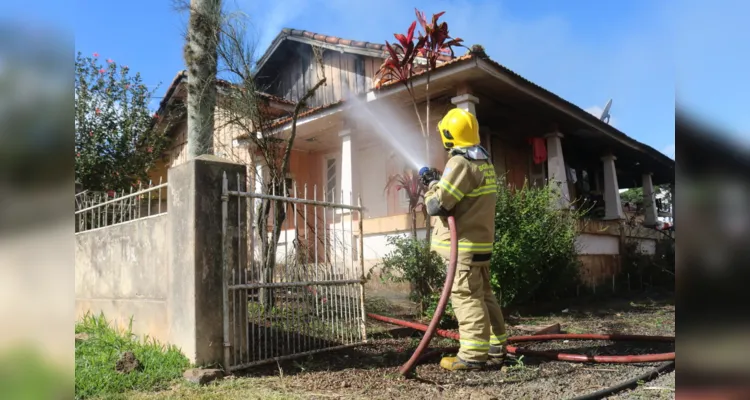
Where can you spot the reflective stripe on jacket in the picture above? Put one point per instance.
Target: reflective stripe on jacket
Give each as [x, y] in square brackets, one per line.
[468, 191]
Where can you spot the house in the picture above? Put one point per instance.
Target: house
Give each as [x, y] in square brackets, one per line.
[531, 133]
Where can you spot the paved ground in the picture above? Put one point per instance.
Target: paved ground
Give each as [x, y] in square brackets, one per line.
[369, 372]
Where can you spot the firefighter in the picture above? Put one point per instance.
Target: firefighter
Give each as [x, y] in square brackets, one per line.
[467, 191]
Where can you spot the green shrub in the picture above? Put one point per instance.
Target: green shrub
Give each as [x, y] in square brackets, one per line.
[412, 261]
[535, 256]
[448, 320]
[97, 355]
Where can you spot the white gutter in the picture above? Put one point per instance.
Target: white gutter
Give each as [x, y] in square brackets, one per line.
[435, 76]
[310, 118]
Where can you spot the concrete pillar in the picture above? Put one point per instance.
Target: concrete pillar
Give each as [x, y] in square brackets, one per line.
[613, 205]
[347, 168]
[649, 201]
[466, 102]
[195, 301]
[556, 172]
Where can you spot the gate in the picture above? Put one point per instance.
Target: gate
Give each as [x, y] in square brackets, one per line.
[310, 298]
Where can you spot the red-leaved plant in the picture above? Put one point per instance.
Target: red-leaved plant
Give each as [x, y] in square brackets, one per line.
[409, 182]
[401, 63]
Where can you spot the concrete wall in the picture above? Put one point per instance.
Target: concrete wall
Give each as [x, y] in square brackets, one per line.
[122, 271]
[166, 271]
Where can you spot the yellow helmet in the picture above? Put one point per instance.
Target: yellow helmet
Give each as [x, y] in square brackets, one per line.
[459, 128]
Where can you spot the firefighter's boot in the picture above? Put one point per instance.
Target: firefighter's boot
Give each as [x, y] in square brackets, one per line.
[457, 364]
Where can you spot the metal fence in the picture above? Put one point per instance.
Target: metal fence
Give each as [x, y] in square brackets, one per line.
[94, 210]
[310, 297]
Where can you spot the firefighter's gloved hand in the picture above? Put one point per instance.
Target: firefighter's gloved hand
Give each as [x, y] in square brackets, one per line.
[428, 175]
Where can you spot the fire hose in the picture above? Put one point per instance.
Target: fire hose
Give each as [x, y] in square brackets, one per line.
[432, 329]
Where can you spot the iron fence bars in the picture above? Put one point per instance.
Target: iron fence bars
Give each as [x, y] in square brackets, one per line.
[95, 210]
[298, 288]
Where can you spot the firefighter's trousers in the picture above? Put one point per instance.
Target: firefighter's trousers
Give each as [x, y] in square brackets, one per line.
[480, 319]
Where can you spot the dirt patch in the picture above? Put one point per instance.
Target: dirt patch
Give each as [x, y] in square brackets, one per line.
[127, 363]
[371, 371]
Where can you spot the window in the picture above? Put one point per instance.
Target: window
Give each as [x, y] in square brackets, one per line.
[330, 174]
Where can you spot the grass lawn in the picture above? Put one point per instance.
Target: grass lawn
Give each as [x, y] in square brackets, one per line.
[98, 348]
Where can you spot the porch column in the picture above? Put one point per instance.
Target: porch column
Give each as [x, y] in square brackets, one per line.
[347, 168]
[612, 203]
[556, 168]
[466, 102]
[649, 201]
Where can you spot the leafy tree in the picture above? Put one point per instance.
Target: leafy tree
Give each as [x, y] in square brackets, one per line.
[635, 196]
[117, 139]
[245, 108]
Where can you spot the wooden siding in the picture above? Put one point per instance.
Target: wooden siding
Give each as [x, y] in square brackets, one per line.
[344, 72]
[598, 269]
[512, 160]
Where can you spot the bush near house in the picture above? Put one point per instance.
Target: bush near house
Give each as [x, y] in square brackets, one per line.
[535, 257]
[411, 260]
[99, 346]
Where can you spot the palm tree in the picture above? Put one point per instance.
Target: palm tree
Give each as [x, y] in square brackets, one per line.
[201, 61]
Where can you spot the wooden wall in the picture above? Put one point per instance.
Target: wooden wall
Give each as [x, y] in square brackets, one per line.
[511, 158]
[343, 72]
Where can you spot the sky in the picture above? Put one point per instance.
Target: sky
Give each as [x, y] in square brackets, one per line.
[639, 53]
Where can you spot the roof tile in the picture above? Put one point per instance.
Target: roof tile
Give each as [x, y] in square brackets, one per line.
[422, 70]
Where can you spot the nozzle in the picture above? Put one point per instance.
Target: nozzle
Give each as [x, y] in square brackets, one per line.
[423, 170]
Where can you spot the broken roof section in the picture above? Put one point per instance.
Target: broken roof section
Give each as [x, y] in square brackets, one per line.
[377, 50]
[176, 91]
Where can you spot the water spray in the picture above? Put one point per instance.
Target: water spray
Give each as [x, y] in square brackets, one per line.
[390, 127]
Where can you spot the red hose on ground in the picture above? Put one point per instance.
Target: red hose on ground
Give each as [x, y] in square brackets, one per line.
[430, 330]
[408, 366]
[553, 354]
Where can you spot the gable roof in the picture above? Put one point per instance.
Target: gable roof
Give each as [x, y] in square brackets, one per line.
[482, 61]
[370, 49]
[325, 41]
[182, 77]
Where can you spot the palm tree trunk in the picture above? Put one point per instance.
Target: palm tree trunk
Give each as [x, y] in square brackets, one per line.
[200, 58]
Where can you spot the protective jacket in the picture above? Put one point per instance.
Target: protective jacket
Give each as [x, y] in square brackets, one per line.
[468, 191]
